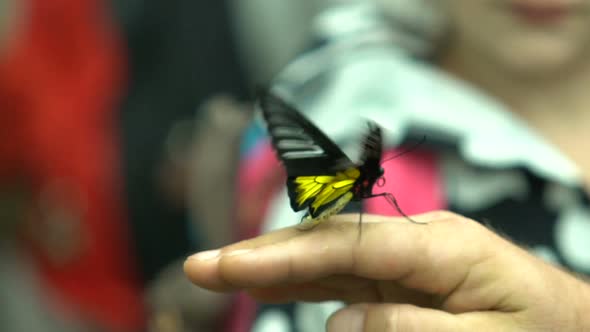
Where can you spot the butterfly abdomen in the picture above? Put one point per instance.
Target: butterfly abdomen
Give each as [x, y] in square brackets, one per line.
[309, 222]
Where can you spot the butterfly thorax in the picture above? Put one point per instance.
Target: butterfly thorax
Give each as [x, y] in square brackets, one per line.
[363, 187]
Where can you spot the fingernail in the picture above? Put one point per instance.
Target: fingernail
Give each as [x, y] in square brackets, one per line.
[205, 255]
[237, 252]
[347, 320]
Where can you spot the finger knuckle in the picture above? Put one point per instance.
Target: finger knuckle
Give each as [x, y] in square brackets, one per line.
[459, 223]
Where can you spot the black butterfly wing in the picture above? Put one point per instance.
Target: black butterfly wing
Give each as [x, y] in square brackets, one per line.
[317, 169]
[372, 150]
[300, 145]
[370, 166]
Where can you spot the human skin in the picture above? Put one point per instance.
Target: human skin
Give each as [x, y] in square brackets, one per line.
[531, 55]
[450, 274]
[528, 40]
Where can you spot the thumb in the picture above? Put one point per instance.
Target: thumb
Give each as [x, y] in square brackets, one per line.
[409, 318]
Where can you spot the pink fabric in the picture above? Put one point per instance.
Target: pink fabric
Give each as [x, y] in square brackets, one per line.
[241, 314]
[413, 179]
[259, 177]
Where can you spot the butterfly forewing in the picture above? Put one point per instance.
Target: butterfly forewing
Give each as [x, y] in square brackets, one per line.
[372, 149]
[300, 145]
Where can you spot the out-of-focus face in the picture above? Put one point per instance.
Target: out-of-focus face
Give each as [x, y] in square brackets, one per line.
[526, 37]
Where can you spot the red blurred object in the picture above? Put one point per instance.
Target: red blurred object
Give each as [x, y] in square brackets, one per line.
[59, 88]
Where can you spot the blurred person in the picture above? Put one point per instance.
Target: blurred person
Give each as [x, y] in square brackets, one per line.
[271, 33]
[498, 88]
[181, 54]
[181, 124]
[66, 260]
[202, 159]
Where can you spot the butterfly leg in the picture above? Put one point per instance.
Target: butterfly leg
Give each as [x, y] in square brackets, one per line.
[393, 202]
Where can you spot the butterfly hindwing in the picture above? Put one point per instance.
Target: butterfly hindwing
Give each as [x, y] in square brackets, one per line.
[318, 192]
[301, 146]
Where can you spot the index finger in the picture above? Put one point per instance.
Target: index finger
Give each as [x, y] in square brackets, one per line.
[424, 257]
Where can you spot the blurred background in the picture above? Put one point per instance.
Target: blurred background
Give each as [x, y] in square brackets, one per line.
[121, 129]
[127, 134]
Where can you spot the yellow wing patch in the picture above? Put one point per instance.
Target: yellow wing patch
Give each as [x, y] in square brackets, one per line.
[324, 189]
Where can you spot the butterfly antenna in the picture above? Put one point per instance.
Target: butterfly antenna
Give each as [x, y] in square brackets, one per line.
[410, 149]
[393, 202]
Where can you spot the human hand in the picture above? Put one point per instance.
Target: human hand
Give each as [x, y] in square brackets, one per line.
[174, 305]
[213, 164]
[452, 274]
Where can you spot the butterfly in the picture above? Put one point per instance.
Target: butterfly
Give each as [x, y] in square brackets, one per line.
[320, 177]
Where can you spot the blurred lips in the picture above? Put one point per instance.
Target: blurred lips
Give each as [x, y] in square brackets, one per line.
[543, 12]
